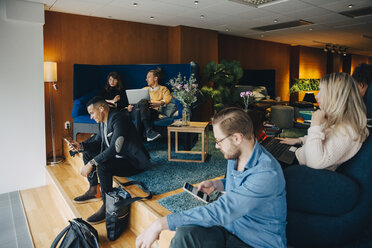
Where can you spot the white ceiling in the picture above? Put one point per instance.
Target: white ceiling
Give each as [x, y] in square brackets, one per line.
[233, 18]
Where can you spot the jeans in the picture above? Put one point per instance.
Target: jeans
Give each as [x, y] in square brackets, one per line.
[143, 115]
[213, 237]
[113, 167]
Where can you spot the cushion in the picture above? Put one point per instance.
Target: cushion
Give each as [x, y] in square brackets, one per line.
[79, 105]
[169, 109]
[320, 192]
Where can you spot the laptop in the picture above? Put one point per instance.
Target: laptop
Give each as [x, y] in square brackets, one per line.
[136, 95]
[282, 152]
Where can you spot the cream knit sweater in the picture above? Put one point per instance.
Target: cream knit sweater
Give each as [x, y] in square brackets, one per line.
[327, 149]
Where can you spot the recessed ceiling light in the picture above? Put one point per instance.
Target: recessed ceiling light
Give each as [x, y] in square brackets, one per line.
[201, 16]
[350, 6]
[310, 29]
[227, 30]
[135, 4]
[196, 2]
[151, 17]
[262, 35]
[276, 20]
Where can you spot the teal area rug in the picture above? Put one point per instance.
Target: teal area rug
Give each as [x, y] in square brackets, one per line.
[165, 176]
[180, 202]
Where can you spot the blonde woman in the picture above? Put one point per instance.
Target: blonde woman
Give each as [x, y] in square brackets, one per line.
[337, 129]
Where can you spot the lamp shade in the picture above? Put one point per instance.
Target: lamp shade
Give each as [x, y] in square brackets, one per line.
[50, 71]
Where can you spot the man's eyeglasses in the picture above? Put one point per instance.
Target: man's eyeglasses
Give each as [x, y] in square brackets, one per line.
[218, 142]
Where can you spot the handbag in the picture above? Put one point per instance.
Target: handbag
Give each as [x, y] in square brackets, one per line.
[117, 208]
[79, 234]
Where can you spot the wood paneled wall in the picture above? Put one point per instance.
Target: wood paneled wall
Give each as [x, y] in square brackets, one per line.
[312, 62]
[75, 39]
[258, 55]
[357, 60]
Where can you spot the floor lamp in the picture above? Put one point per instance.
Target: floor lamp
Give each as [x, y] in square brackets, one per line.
[50, 77]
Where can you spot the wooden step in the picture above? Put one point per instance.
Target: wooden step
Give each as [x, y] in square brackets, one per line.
[142, 213]
[70, 184]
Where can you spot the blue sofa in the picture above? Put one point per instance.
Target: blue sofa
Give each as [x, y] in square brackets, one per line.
[89, 80]
[332, 209]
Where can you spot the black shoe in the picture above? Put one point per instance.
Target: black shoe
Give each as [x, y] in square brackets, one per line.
[93, 194]
[152, 135]
[98, 217]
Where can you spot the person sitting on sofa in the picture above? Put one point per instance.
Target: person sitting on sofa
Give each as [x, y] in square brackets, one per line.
[337, 129]
[147, 111]
[114, 92]
[116, 150]
[251, 213]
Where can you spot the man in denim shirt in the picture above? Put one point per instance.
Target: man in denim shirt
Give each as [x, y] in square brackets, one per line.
[251, 213]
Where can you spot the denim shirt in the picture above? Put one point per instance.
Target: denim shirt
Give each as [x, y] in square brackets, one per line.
[254, 206]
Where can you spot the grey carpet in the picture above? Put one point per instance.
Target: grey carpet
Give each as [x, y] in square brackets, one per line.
[14, 230]
[180, 202]
[165, 176]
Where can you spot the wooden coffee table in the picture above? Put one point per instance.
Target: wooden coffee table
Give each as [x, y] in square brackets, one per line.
[195, 127]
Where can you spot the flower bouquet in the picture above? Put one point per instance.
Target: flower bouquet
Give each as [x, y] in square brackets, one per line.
[186, 92]
[246, 95]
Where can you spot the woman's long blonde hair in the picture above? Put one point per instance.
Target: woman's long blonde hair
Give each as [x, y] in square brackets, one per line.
[343, 103]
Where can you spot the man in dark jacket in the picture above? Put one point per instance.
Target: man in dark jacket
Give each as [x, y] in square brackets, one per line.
[117, 150]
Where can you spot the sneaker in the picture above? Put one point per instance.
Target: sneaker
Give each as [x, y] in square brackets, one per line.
[98, 217]
[91, 195]
[152, 135]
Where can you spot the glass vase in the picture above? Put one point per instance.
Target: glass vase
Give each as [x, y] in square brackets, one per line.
[186, 116]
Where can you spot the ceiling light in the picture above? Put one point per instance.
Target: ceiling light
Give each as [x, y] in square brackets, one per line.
[350, 6]
[201, 16]
[135, 4]
[151, 17]
[196, 2]
[310, 29]
[258, 3]
[227, 30]
[262, 35]
[275, 20]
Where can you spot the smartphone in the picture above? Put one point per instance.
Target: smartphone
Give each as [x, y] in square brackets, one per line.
[68, 142]
[72, 152]
[192, 190]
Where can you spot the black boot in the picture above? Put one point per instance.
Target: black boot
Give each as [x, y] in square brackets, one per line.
[98, 217]
[93, 194]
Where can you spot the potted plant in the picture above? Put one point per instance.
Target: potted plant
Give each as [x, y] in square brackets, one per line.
[302, 86]
[223, 77]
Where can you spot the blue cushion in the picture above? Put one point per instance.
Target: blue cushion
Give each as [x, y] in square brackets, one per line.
[79, 105]
[321, 196]
[83, 119]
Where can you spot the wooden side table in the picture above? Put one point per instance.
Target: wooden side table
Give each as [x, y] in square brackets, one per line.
[195, 127]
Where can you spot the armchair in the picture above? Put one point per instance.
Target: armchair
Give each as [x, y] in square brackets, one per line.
[331, 209]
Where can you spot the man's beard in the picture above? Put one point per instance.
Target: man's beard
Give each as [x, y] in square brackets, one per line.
[232, 153]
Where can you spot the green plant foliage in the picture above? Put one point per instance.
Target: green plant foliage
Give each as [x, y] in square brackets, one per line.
[224, 76]
[299, 84]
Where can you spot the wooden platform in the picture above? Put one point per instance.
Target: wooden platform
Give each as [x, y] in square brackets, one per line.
[65, 183]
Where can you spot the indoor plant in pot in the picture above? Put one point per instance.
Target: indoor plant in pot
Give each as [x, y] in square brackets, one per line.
[302, 86]
[222, 78]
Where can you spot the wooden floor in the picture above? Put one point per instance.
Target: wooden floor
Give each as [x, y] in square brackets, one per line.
[49, 208]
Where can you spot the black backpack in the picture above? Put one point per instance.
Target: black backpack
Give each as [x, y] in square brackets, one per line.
[79, 234]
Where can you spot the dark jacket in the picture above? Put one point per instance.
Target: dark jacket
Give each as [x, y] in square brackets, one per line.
[111, 93]
[124, 142]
